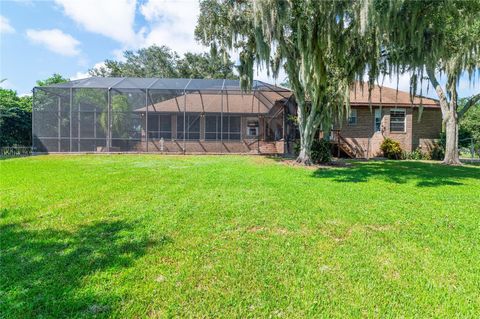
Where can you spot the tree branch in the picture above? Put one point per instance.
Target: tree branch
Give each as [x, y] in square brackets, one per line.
[473, 100]
[438, 88]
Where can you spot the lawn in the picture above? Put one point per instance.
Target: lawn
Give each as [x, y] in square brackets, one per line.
[236, 236]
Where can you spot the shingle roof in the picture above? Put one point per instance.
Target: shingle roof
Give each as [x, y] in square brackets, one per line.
[387, 96]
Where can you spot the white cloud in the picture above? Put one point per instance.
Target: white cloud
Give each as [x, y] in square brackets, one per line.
[111, 18]
[79, 75]
[5, 26]
[172, 23]
[83, 75]
[55, 40]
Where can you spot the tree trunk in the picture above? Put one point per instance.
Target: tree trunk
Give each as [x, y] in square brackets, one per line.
[307, 128]
[306, 139]
[451, 145]
[450, 118]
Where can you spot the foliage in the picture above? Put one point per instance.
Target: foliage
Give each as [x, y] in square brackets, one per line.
[391, 149]
[321, 151]
[416, 154]
[16, 114]
[205, 66]
[120, 113]
[470, 126]
[437, 152]
[15, 119]
[102, 236]
[160, 61]
[445, 41]
[296, 35]
[54, 79]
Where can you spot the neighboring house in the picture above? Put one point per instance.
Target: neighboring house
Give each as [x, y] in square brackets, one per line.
[210, 116]
[389, 114]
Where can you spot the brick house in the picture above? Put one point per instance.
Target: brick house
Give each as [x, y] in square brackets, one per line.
[392, 115]
[211, 116]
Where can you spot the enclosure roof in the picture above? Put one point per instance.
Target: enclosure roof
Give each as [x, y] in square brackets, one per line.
[168, 84]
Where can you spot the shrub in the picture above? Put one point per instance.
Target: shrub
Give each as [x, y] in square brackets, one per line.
[417, 154]
[391, 149]
[321, 151]
[437, 152]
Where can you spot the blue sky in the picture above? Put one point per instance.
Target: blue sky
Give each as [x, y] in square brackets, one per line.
[42, 37]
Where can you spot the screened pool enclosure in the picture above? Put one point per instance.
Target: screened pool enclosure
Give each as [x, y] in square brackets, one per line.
[159, 115]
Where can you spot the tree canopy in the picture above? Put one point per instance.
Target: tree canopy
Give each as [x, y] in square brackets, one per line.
[160, 61]
[15, 118]
[432, 37]
[54, 79]
[325, 46]
[315, 41]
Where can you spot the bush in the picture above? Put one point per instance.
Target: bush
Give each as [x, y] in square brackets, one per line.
[437, 152]
[321, 151]
[416, 155]
[391, 149]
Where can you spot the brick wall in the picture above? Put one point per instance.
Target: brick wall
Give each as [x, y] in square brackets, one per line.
[429, 128]
[362, 135]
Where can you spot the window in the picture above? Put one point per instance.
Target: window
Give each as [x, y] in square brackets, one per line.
[230, 130]
[231, 127]
[160, 126]
[397, 120]
[352, 118]
[212, 127]
[192, 127]
[252, 128]
[378, 120]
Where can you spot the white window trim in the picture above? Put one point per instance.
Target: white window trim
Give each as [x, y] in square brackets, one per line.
[405, 122]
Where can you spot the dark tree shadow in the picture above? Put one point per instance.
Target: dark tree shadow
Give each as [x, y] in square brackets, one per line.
[43, 271]
[400, 172]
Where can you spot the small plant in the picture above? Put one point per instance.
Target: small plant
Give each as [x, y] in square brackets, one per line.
[417, 154]
[391, 149]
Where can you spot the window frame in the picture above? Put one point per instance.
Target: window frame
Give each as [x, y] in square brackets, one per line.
[188, 117]
[353, 115]
[398, 110]
[378, 111]
[227, 133]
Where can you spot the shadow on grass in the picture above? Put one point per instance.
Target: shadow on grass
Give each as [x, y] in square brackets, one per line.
[44, 272]
[400, 172]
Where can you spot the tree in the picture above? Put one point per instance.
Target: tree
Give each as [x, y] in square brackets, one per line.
[470, 125]
[54, 79]
[16, 114]
[15, 119]
[317, 43]
[205, 66]
[435, 37]
[160, 61]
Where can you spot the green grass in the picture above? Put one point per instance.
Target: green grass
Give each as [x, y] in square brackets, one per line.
[231, 236]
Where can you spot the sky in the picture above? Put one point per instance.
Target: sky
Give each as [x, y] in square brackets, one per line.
[42, 37]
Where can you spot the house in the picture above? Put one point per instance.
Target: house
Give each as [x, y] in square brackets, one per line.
[390, 113]
[210, 116]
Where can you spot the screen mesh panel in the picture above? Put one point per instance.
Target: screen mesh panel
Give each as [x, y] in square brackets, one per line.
[156, 115]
